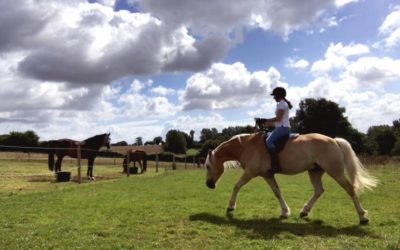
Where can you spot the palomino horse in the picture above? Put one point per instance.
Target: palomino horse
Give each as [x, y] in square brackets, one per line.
[314, 153]
[89, 150]
[135, 156]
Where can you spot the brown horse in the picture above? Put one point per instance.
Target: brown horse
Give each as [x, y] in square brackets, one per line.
[135, 156]
[89, 149]
[314, 153]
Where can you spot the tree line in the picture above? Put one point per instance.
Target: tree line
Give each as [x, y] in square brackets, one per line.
[313, 116]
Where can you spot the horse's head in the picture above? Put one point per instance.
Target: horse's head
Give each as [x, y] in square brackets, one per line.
[215, 168]
[107, 140]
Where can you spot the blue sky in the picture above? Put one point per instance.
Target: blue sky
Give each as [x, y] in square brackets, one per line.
[142, 67]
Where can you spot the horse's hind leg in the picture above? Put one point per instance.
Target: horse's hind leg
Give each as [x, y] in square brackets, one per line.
[90, 169]
[58, 163]
[316, 180]
[285, 210]
[346, 185]
[245, 178]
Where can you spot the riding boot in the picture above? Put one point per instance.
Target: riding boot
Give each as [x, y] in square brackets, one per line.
[275, 166]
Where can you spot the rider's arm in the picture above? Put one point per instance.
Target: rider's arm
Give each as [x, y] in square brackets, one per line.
[277, 118]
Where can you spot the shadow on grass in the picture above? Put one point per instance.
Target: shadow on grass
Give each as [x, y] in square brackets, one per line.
[268, 228]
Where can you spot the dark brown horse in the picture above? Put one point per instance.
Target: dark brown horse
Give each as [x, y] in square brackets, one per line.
[135, 156]
[89, 149]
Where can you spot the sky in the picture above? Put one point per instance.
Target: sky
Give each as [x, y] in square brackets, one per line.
[139, 68]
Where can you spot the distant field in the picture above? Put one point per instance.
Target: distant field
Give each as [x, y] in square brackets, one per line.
[22, 171]
[174, 210]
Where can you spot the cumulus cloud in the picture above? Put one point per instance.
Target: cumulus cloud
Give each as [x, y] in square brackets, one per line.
[228, 86]
[82, 43]
[336, 57]
[163, 91]
[373, 70]
[214, 17]
[390, 28]
[297, 64]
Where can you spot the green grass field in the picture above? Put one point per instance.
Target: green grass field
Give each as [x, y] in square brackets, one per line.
[174, 210]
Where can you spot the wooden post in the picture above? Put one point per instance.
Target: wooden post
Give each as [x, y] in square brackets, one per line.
[156, 163]
[79, 163]
[185, 161]
[127, 163]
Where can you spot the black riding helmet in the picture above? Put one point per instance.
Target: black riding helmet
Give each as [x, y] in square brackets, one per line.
[279, 92]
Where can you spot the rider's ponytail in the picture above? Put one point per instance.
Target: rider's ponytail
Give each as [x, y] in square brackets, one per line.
[288, 103]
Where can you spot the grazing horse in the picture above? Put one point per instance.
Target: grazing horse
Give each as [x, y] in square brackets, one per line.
[89, 149]
[135, 156]
[314, 153]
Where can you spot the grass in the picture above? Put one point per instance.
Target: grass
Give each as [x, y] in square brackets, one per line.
[174, 210]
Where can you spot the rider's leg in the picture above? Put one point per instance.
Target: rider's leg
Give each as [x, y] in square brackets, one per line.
[275, 135]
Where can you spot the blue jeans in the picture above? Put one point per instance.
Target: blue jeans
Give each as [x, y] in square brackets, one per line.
[275, 135]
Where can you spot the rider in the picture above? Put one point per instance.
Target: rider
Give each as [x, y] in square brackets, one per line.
[281, 123]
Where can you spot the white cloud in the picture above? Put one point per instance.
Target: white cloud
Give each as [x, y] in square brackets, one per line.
[341, 3]
[390, 28]
[163, 91]
[373, 70]
[228, 86]
[297, 64]
[216, 17]
[336, 57]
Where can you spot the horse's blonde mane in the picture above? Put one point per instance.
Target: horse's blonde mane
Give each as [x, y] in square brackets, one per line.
[231, 164]
[239, 137]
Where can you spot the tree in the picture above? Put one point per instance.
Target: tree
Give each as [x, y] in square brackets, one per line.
[191, 139]
[23, 139]
[175, 142]
[209, 145]
[120, 143]
[326, 117]
[396, 130]
[157, 140]
[208, 134]
[139, 141]
[381, 139]
[322, 116]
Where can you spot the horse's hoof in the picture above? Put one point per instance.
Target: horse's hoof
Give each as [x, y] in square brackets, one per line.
[283, 217]
[364, 222]
[230, 210]
[303, 214]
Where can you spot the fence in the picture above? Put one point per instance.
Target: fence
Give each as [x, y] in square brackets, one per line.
[114, 158]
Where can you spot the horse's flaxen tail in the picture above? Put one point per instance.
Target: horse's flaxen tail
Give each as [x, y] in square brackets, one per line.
[358, 174]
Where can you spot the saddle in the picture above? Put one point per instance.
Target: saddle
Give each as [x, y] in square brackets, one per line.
[281, 142]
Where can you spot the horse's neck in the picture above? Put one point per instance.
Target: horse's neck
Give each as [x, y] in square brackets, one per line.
[230, 150]
[93, 143]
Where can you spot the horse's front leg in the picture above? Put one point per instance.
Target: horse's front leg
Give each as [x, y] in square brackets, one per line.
[285, 210]
[246, 177]
[141, 166]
